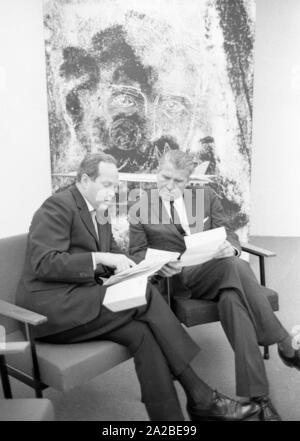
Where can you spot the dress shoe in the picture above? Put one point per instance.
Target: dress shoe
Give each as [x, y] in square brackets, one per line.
[290, 361]
[223, 409]
[267, 410]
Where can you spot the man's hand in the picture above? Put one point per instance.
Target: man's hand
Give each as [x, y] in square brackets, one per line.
[118, 261]
[170, 269]
[225, 250]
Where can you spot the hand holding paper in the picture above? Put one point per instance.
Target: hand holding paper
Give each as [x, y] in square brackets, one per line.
[153, 262]
[172, 265]
[118, 261]
[161, 255]
[170, 269]
[225, 250]
[202, 247]
[128, 288]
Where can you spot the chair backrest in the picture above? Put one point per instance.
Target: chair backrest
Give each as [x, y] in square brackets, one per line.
[12, 255]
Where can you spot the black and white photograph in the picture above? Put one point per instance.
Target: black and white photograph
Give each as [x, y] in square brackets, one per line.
[150, 225]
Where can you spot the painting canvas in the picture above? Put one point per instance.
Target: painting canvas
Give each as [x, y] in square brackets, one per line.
[136, 77]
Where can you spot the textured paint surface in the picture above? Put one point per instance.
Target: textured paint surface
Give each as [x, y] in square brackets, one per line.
[132, 77]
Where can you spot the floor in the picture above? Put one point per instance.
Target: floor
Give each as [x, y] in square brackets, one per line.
[115, 395]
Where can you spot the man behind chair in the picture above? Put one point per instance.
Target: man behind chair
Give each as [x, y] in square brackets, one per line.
[68, 254]
[245, 313]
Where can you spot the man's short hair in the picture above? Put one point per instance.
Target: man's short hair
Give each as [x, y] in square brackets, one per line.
[179, 159]
[89, 164]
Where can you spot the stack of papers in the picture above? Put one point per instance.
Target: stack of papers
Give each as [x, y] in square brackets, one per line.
[202, 247]
[127, 289]
[127, 294]
[153, 262]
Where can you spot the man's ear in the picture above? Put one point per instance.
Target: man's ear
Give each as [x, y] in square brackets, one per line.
[85, 180]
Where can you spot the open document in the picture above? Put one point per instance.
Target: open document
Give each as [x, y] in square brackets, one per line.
[161, 255]
[201, 247]
[153, 262]
[127, 289]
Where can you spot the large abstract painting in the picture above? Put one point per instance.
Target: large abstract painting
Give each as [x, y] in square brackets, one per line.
[134, 77]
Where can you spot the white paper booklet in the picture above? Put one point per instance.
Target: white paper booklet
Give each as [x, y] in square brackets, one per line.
[128, 289]
[128, 294]
[201, 247]
[147, 267]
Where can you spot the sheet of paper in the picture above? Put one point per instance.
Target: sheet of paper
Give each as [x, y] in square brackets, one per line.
[145, 267]
[201, 247]
[155, 255]
[127, 294]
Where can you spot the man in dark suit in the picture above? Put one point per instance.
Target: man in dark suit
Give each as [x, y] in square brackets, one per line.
[161, 219]
[69, 251]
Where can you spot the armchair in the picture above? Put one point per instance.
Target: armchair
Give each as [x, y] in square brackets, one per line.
[23, 409]
[42, 364]
[193, 312]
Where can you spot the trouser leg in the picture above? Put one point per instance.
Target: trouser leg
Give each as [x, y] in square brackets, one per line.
[176, 344]
[206, 282]
[157, 387]
[246, 316]
[251, 378]
[158, 334]
[268, 328]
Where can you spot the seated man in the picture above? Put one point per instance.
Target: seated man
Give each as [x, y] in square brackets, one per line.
[68, 252]
[160, 220]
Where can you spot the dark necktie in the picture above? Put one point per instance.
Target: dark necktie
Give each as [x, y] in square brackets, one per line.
[175, 219]
[94, 219]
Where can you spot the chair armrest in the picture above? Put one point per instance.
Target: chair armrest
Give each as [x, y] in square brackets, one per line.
[21, 314]
[257, 251]
[13, 347]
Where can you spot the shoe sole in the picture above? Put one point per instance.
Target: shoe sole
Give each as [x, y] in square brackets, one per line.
[288, 363]
[248, 418]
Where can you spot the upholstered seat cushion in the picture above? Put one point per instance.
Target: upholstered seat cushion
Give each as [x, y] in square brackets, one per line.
[196, 312]
[65, 366]
[26, 409]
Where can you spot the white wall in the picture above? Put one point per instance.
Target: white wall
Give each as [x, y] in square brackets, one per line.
[24, 144]
[275, 201]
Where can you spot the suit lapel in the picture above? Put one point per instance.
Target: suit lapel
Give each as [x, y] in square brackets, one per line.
[84, 212]
[194, 205]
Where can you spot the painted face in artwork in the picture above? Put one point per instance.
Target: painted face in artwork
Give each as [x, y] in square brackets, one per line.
[121, 104]
[134, 78]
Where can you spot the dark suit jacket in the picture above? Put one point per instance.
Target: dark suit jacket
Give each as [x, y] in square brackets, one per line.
[58, 278]
[147, 230]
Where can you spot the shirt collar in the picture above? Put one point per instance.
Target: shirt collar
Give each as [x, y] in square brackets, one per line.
[178, 202]
[89, 205]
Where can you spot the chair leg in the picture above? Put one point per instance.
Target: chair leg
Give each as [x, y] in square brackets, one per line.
[4, 378]
[262, 271]
[266, 353]
[169, 292]
[36, 370]
[38, 391]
